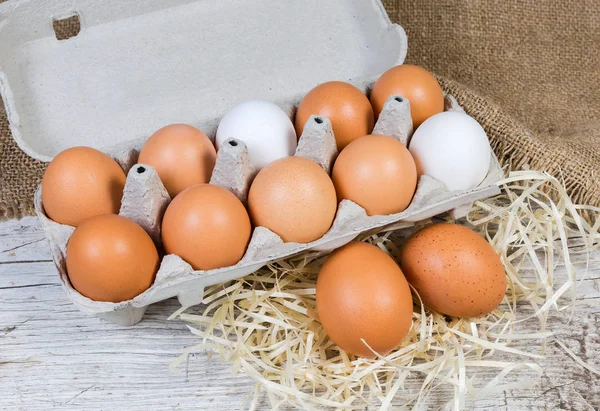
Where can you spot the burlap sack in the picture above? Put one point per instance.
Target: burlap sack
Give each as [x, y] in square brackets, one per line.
[528, 71]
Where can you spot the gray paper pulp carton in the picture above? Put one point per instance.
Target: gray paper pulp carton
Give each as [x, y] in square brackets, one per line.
[137, 66]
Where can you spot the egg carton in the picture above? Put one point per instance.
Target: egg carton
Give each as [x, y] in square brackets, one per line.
[145, 200]
[137, 66]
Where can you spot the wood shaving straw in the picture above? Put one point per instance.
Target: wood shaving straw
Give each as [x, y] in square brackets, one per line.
[265, 324]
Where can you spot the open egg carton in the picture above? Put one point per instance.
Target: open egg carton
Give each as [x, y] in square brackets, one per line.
[145, 200]
[348, 40]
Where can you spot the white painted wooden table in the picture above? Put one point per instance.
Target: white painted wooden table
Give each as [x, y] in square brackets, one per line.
[54, 357]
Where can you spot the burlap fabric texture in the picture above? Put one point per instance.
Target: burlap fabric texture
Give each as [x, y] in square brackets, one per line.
[528, 71]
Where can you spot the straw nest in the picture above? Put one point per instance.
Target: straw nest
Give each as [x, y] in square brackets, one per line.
[265, 324]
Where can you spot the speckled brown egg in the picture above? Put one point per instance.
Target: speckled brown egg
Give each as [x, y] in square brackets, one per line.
[182, 155]
[207, 226]
[110, 258]
[294, 198]
[416, 84]
[362, 294]
[455, 271]
[376, 172]
[80, 183]
[348, 109]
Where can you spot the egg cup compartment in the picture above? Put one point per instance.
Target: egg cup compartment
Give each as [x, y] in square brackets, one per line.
[145, 200]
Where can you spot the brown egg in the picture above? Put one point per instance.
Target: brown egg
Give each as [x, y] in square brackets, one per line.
[347, 108]
[207, 226]
[80, 183]
[362, 293]
[294, 198]
[414, 83]
[455, 271]
[376, 172]
[182, 155]
[111, 258]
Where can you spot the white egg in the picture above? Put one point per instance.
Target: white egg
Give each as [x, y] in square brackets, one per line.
[267, 131]
[453, 148]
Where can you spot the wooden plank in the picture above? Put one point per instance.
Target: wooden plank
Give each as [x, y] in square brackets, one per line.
[23, 240]
[53, 356]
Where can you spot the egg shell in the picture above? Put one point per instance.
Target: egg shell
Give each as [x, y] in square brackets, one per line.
[267, 131]
[376, 172]
[455, 271]
[414, 83]
[207, 226]
[110, 258]
[362, 293]
[347, 108]
[453, 148]
[294, 198]
[182, 156]
[82, 182]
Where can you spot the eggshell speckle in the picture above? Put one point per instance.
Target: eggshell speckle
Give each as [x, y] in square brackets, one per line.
[182, 156]
[294, 198]
[376, 172]
[110, 258]
[414, 83]
[207, 226]
[80, 183]
[362, 293]
[455, 271]
[347, 108]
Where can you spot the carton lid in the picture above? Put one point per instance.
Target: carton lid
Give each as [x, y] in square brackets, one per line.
[137, 66]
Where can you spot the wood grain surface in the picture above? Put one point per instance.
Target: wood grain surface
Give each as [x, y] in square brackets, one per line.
[54, 357]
